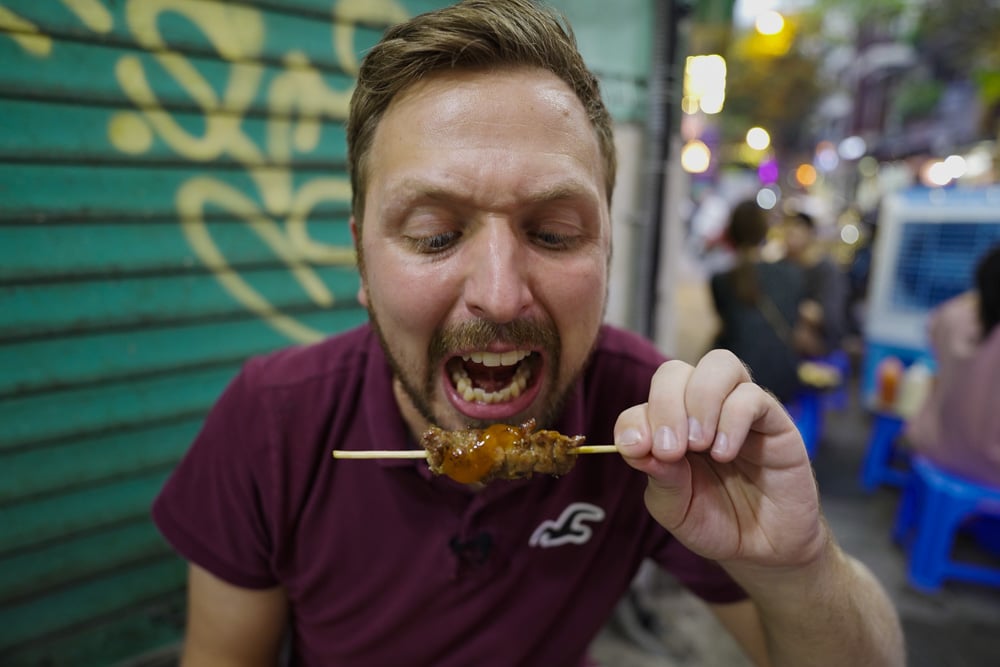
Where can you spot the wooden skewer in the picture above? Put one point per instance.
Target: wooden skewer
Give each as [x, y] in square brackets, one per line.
[422, 454]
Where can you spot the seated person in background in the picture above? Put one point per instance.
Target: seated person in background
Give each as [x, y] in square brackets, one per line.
[758, 304]
[825, 307]
[958, 427]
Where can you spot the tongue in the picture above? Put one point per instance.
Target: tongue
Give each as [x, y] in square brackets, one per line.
[489, 379]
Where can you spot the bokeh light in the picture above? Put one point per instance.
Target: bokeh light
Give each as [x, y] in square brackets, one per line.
[868, 167]
[852, 148]
[850, 234]
[695, 157]
[758, 138]
[935, 173]
[826, 156]
[956, 166]
[805, 174]
[767, 198]
[769, 23]
[767, 171]
[704, 84]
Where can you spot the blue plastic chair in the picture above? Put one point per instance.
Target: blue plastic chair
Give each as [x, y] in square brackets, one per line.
[881, 455]
[933, 507]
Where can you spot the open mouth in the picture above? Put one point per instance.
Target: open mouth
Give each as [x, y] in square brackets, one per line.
[493, 377]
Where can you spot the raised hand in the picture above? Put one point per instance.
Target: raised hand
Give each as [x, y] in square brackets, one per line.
[728, 472]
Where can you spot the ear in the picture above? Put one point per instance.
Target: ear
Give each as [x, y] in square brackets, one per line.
[355, 235]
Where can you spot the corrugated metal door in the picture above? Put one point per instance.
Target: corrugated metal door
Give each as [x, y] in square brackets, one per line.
[173, 199]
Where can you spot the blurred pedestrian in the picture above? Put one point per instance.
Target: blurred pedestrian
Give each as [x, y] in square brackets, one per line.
[825, 307]
[758, 305]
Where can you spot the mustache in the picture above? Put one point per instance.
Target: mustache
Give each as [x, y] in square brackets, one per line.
[479, 334]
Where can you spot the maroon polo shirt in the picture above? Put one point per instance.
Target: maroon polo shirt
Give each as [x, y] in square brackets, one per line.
[386, 564]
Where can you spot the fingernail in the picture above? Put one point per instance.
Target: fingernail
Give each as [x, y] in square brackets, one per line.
[629, 438]
[694, 430]
[721, 445]
[665, 440]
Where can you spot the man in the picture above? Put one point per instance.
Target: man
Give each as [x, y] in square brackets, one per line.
[482, 163]
[825, 283]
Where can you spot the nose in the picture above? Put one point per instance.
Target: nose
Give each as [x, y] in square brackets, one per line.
[497, 286]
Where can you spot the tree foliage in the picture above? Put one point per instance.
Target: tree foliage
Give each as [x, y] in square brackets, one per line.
[777, 92]
[960, 38]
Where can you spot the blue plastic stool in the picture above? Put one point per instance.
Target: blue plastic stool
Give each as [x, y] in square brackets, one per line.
[806, 410]
[838, 397]
[986, 530]
[934, 505]
[881, 453]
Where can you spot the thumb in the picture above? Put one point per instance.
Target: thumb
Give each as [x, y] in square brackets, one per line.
[669, 492]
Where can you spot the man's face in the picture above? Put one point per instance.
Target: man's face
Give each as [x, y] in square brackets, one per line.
[798, 238]
[485, 245]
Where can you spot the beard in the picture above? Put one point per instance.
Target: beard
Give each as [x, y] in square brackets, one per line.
[421, 386]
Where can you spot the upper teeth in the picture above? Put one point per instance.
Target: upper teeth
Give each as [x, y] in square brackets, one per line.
[496, 359]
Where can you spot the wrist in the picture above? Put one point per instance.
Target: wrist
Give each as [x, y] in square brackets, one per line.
[815, 576]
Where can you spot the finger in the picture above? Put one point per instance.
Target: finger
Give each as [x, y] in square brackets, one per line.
[717, 374]
[632, 434]
[634, 440]
[744, 405]
[750, 410]
[637, 438]
[666, 413]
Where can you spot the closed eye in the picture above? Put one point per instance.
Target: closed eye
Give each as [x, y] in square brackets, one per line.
[434, 243]
[554, 240]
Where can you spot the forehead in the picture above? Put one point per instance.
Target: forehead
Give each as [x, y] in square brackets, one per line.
[472, 126]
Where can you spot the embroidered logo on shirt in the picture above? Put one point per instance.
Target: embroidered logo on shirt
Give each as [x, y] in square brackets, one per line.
[570, 528]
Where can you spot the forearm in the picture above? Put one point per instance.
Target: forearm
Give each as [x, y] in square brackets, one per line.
[831, 612]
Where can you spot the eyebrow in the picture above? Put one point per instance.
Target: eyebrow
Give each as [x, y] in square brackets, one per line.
[415, 189]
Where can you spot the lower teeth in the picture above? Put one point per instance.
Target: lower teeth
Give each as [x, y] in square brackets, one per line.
[479, 395]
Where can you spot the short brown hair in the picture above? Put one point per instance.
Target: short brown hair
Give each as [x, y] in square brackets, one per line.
[473, 34]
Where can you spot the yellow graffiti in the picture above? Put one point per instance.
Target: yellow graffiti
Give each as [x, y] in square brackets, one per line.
[301, 93]
[350, 12]
[29, 37]
[298, 101]
[25, 33]
[191, 201]
[129, 133]
[92, 14]
[222, 135]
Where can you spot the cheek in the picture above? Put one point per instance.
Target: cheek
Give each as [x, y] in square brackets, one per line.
[403, 298]
[577, 298]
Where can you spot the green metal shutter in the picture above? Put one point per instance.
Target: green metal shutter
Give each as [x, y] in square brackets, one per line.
[173, 199]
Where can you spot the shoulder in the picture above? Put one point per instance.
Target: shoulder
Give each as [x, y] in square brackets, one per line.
[720, 277]
[291, 388]
[783, 268]
[783, 275]
[625, 354]
[306, 384]
[345, 352]
[628, 345]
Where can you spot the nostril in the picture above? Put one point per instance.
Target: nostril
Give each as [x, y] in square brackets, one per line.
[499, 300]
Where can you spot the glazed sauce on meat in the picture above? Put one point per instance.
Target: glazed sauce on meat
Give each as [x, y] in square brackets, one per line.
[472, 463]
